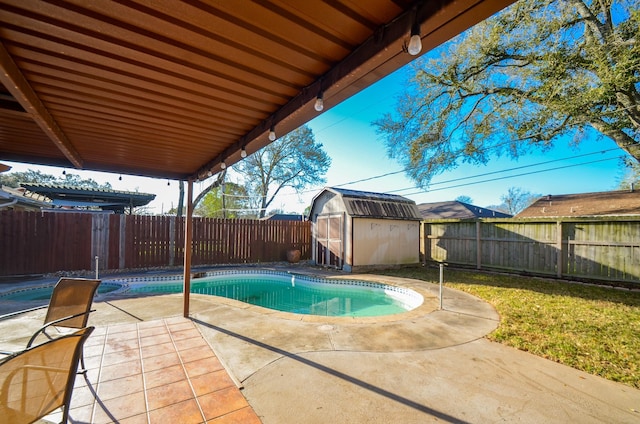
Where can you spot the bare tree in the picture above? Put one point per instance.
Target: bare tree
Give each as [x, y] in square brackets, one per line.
[294, 160]
[515, 200]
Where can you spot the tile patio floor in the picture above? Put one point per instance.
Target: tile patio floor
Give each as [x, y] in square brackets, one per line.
[160, 371]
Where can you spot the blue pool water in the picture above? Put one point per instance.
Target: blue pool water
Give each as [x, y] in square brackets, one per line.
[298, 294]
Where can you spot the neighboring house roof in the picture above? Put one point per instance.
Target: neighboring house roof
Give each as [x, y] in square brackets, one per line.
[18, 199]
[367, 204]
[457, 210]
[283, 217]
[78, 197]
[626, 202]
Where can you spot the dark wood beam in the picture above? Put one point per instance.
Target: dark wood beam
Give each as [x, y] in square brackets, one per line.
[15, 82]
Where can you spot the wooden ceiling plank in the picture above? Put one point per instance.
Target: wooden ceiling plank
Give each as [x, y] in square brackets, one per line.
[17, 84]
[16, 114]
[105, 38]
[142, 66]
[347, 23]
[18, 129]
[225, 123]
[31, 61]
[144, 143]
[261, 29]
[101, 112]
[148, 149]
[172, 28]
[54, 98]
[135, 96]
[228, 36]
[103, 125]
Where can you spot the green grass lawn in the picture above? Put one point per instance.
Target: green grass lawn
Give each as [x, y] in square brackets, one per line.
[594, 329]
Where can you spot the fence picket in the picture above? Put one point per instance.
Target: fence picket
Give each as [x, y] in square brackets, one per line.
[44, 242]
[593, 248]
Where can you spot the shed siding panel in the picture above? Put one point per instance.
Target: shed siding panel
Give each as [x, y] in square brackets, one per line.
[385, 242]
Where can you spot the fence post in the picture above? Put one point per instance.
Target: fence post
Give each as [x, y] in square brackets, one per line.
[100, 239]
[172, 240]
[122, 245]
[559, 248]
[478, 246]
[441, 282]
[427, 242]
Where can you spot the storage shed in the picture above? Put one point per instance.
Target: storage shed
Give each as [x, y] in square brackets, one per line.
[359, 230]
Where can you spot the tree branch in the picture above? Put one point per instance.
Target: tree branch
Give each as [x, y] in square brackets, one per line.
[218, 181]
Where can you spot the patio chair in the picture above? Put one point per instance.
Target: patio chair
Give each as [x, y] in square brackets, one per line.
[69, 308]
[39, 380]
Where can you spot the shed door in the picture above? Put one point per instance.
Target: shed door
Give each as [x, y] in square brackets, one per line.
[329, 244]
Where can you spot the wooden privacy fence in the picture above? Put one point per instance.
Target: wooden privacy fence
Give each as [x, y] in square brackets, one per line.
[45, 242]
[596, 248]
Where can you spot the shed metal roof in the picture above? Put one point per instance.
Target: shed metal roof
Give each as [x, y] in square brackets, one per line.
[172, 89]
[365, 204]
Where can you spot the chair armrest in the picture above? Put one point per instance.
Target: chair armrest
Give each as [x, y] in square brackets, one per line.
[8, 355]
[53, 323]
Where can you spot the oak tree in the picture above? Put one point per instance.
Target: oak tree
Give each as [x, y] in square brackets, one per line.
[538, 72]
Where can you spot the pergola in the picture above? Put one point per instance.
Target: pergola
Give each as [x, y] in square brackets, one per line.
[182, 89]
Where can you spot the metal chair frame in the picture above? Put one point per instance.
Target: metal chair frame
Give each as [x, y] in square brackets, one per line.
[30, 379]
[69, 307]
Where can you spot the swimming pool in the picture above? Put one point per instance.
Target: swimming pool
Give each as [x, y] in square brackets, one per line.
[293, 293]
[43, 293]
[281, 291]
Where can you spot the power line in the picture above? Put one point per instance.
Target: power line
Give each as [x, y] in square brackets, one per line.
[478, 175]
[513, 176]
[513, 169]
[474, 176]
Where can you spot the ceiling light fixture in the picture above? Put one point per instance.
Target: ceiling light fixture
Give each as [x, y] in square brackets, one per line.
[272, 133]
[243, 153]
[415, 42]
[223, 165]
[319, 104]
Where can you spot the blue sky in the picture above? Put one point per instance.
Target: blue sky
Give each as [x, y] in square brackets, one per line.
[358, 153]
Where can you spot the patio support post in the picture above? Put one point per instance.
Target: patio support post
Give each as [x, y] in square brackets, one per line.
[188, 236]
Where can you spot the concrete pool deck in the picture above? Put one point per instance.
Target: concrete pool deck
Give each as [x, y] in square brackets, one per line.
[426, 366]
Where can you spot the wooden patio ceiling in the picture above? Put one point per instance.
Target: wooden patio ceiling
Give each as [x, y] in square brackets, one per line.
[170, 89]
